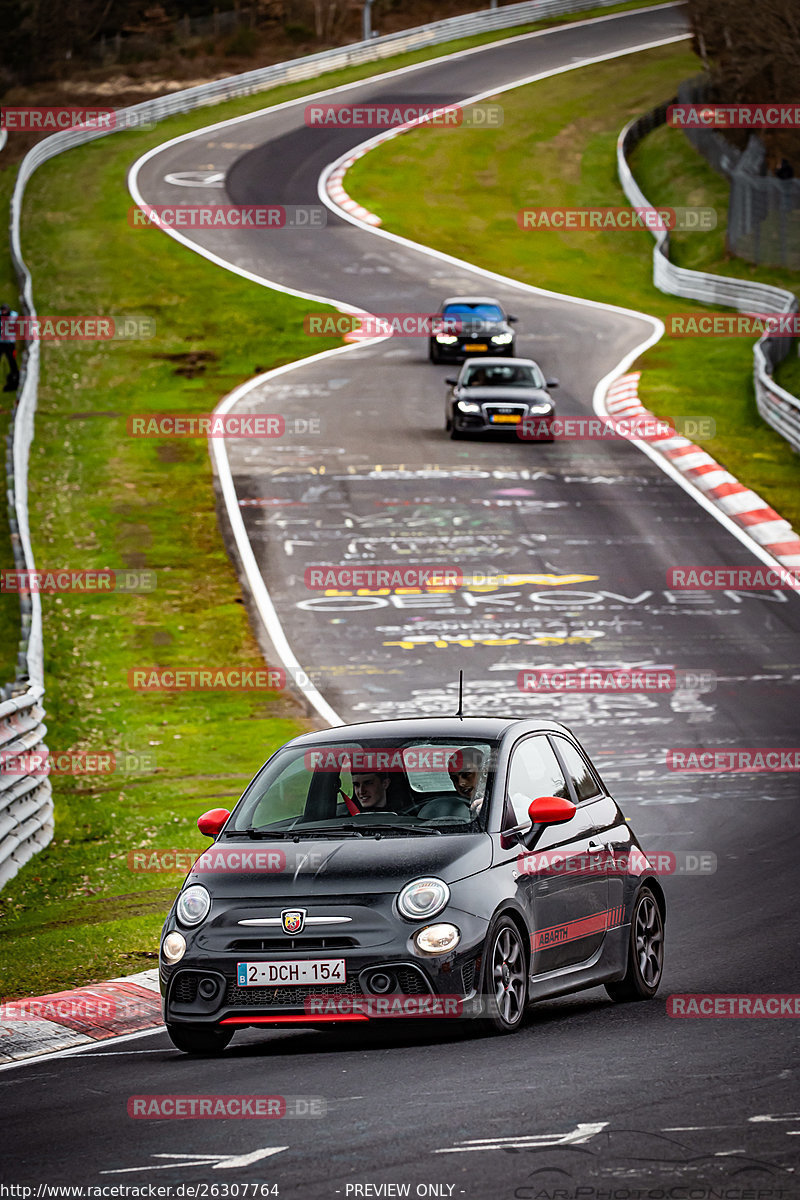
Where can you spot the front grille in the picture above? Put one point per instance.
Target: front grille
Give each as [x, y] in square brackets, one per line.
[276, 945]
[184, 989]
[410, 982]
[286, 997]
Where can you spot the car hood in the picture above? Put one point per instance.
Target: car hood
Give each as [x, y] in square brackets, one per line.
[478, 326]
[329, 867]
[504, 395]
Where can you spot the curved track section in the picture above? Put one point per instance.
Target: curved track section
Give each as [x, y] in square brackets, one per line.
[622, 1101]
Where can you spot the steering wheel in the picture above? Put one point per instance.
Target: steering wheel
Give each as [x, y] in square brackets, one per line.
[443, 804]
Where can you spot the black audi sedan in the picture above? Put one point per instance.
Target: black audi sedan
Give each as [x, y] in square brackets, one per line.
[439, 867]
[470, 325]
[492, 395]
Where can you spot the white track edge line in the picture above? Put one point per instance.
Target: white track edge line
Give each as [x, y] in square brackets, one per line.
[260, 592]
[599, 395]
[225, 476]
[33, 1060]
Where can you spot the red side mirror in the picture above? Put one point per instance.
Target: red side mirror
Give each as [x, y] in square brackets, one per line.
[551, 810]
[212, 821]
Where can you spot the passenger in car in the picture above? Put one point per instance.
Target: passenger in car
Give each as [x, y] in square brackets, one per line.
[466, 771]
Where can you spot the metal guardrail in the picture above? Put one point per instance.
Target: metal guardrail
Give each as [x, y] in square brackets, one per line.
[26, 803]
[26, 807]
[776, 406]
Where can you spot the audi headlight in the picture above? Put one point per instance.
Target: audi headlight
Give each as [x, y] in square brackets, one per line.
[446, 339]
[173, 947]
[502, 339]
[537, 410]
[468, 406]
[437, 939]
[193, 905]
[423, 898]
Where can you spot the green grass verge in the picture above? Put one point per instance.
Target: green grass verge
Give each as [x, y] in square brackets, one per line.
[100, 498]
[423, 185]
[174, 127]
[788, 372]
[9, 605]
[77, 914]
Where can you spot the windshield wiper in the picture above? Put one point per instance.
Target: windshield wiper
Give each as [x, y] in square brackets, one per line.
[347, 827]
[257, 833]
[306, 832]
[402, 828]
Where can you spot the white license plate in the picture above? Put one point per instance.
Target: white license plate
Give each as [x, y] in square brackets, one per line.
[290, 972]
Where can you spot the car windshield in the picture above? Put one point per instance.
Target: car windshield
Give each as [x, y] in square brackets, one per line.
[474, 312]
[525, 375]
[392, 786]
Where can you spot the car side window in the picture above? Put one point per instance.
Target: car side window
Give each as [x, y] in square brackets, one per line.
[534, 771]
[578, 769]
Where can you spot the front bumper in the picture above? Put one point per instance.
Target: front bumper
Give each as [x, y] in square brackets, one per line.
[481, 423]
[423, 979]
[417, 991]
[458, 351]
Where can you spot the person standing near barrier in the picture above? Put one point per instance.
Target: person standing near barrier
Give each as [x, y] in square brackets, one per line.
[8, 346]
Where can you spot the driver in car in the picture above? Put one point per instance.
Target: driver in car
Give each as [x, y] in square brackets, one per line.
[465, 769]
[370, 789]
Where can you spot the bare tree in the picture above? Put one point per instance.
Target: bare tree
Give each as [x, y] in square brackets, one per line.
[751, 50]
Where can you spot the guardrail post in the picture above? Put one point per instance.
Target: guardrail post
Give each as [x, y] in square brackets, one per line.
[776, 406]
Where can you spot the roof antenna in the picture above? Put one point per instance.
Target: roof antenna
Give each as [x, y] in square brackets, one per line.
[460, 712]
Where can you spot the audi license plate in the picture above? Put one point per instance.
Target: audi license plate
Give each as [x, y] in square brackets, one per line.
[290, 971]
[506, 419]
[475, 346]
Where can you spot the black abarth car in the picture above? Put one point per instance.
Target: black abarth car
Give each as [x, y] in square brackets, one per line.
[470, 325]
[493, 395]
[456, 867]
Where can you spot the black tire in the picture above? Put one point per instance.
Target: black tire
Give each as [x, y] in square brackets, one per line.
[504, 985]
[199, 1039]
[455, 434]
[448, 424]
[433, 355]
[645, 952]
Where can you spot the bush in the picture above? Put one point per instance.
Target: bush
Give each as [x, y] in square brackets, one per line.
[241, 44]
[297, 32]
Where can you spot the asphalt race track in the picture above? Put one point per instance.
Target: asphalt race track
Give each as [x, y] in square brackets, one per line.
[619, 1101]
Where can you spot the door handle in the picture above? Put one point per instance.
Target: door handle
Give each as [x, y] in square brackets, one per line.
[596, 847]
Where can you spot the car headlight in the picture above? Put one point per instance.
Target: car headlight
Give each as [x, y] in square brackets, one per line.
[446, 339]
[537, 410]
[173, 947]
[437, 939]
[502, 339]
[423, 898]
[468, 406]
[193, 905]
